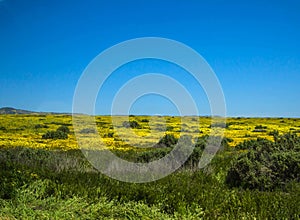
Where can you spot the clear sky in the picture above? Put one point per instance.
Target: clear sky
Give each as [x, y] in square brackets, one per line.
[253, 47]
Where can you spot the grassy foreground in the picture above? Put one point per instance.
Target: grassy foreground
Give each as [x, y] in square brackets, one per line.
[49, 180]
[50, 185]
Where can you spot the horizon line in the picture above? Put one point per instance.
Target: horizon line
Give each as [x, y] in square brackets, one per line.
[162, 115]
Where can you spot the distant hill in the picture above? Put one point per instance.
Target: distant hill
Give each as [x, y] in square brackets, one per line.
[13, 111]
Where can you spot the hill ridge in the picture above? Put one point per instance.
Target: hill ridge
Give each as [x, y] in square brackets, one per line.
[14, 111]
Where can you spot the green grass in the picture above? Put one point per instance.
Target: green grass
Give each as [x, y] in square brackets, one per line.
[43, 184]
[51, 179]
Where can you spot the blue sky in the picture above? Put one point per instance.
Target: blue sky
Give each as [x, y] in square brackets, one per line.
[253, 47]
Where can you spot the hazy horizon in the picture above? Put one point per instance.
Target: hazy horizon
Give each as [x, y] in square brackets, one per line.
[228, 116]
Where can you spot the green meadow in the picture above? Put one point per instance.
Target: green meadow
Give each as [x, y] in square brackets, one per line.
[254, 175]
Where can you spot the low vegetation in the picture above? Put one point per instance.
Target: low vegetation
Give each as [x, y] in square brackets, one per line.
[255, 175]
[266, 165]
[60, 133]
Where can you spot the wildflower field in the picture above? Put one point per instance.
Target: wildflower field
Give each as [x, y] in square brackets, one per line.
[27, 130]
[43, 175]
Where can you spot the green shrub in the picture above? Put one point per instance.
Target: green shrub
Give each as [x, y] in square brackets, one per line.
[201, 142]
[267, 165]
[131, 124]
[41, 126]
[257, 144]
[169, 128]
[55, 135]
[63, 128]
[260, 127]
[58, 123]
[60, 133]
[200, 145]
[2, 128]
[273, 133]
[169, 140]
[109, 134]
[152, 155]
[11, 178]
[225, 142]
